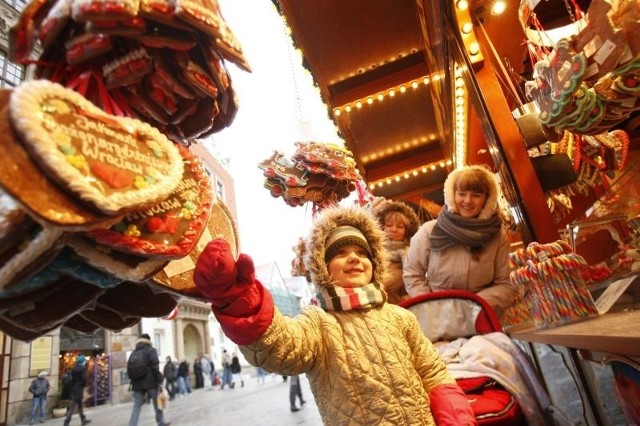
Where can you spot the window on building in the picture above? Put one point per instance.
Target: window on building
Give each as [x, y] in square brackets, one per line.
[220, 190]
[16, 4]
[10, 74]
[157, 342]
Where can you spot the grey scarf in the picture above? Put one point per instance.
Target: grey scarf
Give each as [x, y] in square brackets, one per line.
[452, 229]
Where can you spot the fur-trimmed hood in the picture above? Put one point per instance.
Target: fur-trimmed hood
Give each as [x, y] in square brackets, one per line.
[380, 210]
[329, 219]
[490, 206]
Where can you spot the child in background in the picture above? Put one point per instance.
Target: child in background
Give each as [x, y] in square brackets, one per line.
[39, 388]
[367, 361]
[400, 223]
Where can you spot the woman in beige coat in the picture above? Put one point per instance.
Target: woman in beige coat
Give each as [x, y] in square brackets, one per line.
[367, 361]
[466, 247]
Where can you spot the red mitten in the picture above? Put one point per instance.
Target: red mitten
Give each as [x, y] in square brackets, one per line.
[240, 303]
[449, 406]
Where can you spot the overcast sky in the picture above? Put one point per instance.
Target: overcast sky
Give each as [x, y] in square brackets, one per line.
[267, 120]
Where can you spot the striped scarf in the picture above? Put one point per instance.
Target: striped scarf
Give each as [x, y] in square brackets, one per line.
[346, 299]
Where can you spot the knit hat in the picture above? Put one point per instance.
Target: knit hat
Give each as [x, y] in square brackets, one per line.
[80, 359]
[325, 233]
[343, 236]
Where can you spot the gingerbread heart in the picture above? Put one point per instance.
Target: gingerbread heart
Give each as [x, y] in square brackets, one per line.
[177, 276]
[115, 164]
[171, 228]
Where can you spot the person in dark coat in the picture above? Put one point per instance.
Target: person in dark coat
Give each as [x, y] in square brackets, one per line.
[184, 385]
[171, 378]
[79, 380]
[197, 372]
[148, 385]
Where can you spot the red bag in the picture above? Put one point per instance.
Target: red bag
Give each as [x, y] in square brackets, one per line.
[492, 404]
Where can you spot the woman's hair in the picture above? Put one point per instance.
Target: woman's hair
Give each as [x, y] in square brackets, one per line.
[395, 214]
[473, 180]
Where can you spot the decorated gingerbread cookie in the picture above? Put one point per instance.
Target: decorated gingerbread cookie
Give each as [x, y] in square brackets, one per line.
[177, 276]
[121, 265]
[282, 168]
[171, 228]
[115, 164]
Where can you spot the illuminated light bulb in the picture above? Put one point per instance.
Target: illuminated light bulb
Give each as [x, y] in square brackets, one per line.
[369, 100]
[397, 178]
[406, 175]
[499, 6]
[380, 184]
[441, 164]
[433, 167]
[388, 181]
[425, 80]
[460, 91]
[436, 77]
[337, 112]
[414, 84]
[448, 162]
[459, 82]
[371, 186]
[403, 89]
[462, 4]
[423, 170]
[358, 104]
[347, 108]
[392, 93]
[380, 96]
[415, 173]
[460, 101]
[474, 48]
[467, 27]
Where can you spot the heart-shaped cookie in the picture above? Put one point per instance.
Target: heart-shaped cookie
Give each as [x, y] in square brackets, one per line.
[171, 228]
[115, 164]
[177, 276]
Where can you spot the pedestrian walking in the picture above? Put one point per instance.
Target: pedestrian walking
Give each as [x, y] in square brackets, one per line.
[207, 368]
[236, 370]
[171, 378]
[184, 384]
[39, 388]
[262, 375]
[295, 391]
[197, 372]
[226, 369]
[146, 380]
[76, 394]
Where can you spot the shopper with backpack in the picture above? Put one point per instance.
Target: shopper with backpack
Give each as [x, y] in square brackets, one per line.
[76, 394]
[146, 379]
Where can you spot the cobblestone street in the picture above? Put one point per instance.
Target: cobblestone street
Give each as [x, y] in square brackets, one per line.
[255, 404]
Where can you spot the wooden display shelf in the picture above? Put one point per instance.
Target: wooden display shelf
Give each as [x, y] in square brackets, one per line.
[616, 333]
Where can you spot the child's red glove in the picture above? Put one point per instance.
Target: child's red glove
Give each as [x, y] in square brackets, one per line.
[237, 299]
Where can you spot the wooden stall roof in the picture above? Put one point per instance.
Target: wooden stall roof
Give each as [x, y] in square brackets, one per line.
[358, 49]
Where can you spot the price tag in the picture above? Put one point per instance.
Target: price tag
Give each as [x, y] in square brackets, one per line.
[609, 297]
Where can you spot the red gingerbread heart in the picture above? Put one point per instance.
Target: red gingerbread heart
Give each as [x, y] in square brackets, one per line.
[171, 228]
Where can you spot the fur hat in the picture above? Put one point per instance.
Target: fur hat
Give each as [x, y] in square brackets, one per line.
[382, 208]
[490, 205]
[80, 359]
[324, 226]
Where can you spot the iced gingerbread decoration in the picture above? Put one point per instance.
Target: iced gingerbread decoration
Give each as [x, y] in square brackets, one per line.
[171, 228]
[320, 173]
[177, 276]
[156, 60]
[114, 164]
